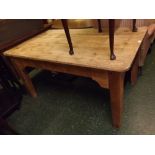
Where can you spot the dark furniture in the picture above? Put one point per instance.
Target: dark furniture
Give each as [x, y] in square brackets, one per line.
[10, 96]
[13, 32]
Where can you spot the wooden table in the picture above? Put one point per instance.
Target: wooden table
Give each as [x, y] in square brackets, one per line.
[49, 51]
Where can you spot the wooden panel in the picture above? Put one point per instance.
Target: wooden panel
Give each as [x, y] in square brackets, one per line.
[91, 48]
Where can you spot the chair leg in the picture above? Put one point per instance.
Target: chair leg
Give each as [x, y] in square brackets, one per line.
[134, 28]
[66, 29]
[111, 38]
[99, 25]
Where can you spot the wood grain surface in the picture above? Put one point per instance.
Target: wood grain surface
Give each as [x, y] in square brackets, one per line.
[91, 48]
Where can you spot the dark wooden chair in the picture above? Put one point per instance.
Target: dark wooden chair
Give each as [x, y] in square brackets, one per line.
[134, 28]
[66, 29]
[111, 35]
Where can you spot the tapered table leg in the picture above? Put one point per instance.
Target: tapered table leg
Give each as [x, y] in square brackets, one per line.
[134, 28]
[25, 77]
[66, 29]
[99, 25]
[116, 86]
[111, 38]
[134, 70]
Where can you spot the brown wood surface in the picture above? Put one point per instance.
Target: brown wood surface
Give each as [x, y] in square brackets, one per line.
[116, 86]
[91, 48]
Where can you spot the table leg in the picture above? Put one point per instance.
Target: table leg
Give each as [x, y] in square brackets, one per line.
[111, 38]
[134, 70]
[25, 77]
[66, 29]
[99, 25]
[116, 86]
